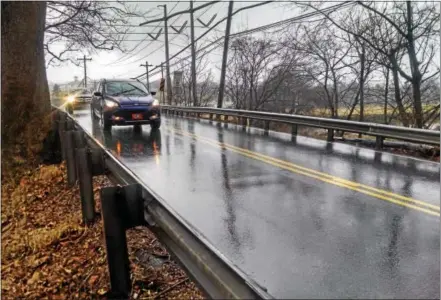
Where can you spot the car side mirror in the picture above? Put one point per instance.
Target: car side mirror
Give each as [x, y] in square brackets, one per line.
[153, 93]
[97, 94]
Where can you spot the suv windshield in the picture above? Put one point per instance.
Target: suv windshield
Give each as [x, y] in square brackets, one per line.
[129, 88]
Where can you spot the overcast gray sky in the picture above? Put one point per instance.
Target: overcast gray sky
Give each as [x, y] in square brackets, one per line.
[114, 63]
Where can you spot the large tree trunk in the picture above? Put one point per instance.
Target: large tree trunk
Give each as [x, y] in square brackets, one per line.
[386, 95]
[414, 67]
[25, 93]
[362, 66]
[361, 86]
[401, 109]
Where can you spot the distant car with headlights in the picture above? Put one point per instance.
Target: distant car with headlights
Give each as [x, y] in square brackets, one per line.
[78, 98]
[125, 102]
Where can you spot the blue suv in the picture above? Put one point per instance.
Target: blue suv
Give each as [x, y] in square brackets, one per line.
[124, 102]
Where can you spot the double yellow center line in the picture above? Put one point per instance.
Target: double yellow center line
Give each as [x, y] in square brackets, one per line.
[355, 186]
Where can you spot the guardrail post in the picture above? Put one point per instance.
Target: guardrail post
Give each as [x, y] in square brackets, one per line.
[86, 184]
[70, 124]
[294, 130]
[211, 118]
[97, 162]
[61, 133]
[70, 158]
[79, 142]
[122, 208]
[55, 114]
[266, 130]
[244, 123]
[379, 142]
[330, 137]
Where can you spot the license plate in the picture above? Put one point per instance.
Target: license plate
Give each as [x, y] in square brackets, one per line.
[137, 116]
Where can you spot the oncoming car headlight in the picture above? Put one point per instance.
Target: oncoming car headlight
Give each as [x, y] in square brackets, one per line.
[155, 103]
[71, 98]
[110, 103]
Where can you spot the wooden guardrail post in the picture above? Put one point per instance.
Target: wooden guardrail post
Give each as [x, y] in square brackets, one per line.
[266, 130]
[379, 142]
[294, 129]
[330, 137]
[122, 208]
[61, 130]
[70, 158]
[84, 170]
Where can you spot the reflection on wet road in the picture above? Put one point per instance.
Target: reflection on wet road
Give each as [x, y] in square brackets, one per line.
[305, 219]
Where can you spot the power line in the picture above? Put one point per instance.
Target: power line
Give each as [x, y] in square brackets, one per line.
[144, 57]
[206, 32]
[265, 27]
[174, 6]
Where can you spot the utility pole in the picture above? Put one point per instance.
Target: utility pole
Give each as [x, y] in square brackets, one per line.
[147, 72]
[193, 56]
[167, 55]
[84, 59]
[160, 82]
[220, 98]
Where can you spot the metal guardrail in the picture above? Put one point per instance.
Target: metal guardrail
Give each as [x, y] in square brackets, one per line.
[420, 136]
[131, 204]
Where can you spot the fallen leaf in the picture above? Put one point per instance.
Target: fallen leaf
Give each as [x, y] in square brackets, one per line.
[92, 280]
[35, 277]
[101, 292]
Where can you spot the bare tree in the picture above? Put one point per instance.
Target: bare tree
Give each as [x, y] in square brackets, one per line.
[324, 61]
[86, 25]
[396, 29]
[206, 89]
[257, 67]
[363, 62]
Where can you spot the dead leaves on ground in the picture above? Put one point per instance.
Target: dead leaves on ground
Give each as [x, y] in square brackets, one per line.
[48, 253]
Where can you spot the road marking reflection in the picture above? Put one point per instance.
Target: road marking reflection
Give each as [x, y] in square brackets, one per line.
[355, 186]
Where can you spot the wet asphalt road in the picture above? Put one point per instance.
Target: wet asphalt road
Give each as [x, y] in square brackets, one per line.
[283, 212]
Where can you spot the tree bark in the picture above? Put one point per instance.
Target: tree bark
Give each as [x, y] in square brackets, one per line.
[414, 67]
[25, 93]
[362, 69]
[386, 95]
[401, 109]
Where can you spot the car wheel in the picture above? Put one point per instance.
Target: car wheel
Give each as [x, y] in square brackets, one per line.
[156, 124]
[105, 123]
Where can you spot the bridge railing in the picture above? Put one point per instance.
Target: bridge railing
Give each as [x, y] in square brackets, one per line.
[131, 203]
[380, 131]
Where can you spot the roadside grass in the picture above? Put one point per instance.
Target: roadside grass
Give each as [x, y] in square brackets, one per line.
[369, 110]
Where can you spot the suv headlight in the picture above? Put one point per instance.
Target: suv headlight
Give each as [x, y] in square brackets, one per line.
[109, 103]
[71, 99]
[155, 103]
